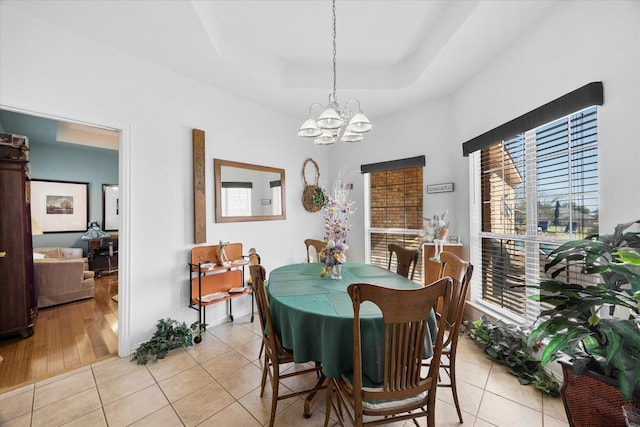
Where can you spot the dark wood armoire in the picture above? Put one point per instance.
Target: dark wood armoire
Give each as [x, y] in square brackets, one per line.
[18, 307]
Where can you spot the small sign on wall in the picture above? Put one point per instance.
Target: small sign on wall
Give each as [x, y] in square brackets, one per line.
[440, 188]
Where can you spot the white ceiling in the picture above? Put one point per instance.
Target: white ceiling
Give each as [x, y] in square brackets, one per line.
[391, 54]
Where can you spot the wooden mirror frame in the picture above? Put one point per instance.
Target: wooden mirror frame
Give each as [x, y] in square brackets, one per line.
[217, 169]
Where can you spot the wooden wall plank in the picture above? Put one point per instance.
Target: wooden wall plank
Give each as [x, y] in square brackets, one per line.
[199, 195]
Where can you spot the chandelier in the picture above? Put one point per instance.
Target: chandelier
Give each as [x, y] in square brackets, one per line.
[334, 122]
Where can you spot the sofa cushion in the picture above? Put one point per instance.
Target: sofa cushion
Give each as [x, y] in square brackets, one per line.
[48, 252]
[62, 254]
[70, 253]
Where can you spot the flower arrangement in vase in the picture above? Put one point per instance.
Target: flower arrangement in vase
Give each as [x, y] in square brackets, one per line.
[338, 209]
[435, 230]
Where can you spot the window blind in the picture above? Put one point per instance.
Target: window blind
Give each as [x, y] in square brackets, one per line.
[231, 184]
[536, 190]
[395, 213]
[393, 164]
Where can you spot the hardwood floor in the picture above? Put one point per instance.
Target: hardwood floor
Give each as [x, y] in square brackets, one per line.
[66, 337]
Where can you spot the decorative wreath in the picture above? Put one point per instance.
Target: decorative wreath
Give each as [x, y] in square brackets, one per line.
[313, 196]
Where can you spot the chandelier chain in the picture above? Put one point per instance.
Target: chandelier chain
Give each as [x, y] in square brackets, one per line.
[335, 122]
[334, 50]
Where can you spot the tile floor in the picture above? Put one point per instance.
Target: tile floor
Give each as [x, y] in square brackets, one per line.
[217, 383]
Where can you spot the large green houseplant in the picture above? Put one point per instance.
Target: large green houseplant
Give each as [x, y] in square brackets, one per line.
[596, 325]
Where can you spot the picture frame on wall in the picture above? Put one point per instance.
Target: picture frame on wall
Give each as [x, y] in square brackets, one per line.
[60, 206]
[110, 207]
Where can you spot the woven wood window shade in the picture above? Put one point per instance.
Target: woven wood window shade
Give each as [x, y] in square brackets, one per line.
[396, 209]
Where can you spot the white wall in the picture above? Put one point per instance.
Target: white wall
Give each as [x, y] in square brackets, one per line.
[422, 130]
[48, 71]
[579, 42]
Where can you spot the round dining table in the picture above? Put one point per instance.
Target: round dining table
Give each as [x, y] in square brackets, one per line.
[314, 315]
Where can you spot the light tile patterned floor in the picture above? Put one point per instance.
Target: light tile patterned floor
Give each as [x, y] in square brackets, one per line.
[217, 383]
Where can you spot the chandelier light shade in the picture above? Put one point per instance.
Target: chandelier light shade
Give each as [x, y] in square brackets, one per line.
[334, 122]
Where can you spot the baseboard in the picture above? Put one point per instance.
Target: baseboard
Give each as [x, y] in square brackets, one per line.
[472, 312]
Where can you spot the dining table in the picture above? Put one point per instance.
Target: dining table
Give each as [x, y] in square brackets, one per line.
[314, 316]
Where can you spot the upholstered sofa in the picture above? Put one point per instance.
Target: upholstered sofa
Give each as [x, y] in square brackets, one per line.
[61, 276]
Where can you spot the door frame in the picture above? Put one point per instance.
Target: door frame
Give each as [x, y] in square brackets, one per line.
[124, 177]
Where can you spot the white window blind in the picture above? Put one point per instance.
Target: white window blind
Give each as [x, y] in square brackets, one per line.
[535, 191]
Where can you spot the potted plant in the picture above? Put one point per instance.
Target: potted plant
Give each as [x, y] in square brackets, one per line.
[597, 325]
[169, 334]
[508, 344]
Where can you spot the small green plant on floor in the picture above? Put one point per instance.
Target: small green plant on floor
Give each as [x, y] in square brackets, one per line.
[507, 344]
[169, 334]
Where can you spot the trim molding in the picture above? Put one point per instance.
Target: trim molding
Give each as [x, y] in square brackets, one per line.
[586, 96]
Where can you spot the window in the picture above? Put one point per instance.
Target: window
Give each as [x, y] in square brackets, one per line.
[394, 208]
[236, 200]
[536, 190]
[276, 197]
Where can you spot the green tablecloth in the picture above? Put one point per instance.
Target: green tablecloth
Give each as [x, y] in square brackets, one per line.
[314, 315]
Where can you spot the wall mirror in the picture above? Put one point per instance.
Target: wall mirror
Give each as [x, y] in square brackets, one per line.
[245, 192]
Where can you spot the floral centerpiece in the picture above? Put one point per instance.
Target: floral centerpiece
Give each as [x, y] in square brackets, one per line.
[337, 212]
[435, 230]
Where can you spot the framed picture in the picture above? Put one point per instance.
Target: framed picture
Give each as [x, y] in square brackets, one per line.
[60, 206]
[110, 207]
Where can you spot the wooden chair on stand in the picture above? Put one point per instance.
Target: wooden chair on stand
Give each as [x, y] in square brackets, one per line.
[274, 354]
[460, 272]
[318, 245]
[405, 391]
[406, 260]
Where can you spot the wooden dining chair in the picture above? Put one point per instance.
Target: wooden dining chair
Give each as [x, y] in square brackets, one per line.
[406, 260]
[406, 391]
[275, 354]
[254, 259]
[460, 272]
[318, 245]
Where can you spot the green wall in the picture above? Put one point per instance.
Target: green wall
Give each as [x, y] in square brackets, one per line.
[78, 163]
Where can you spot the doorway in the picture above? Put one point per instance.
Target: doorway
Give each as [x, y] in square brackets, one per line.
[24, 116]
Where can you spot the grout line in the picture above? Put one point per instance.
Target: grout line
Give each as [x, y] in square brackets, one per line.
[249, 327]
[95, 381]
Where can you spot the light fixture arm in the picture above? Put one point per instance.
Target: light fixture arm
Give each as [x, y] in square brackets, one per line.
[357, 101]
[315, 104]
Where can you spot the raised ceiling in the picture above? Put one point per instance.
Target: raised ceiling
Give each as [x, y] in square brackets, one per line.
[390, 54]
[48, 131]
